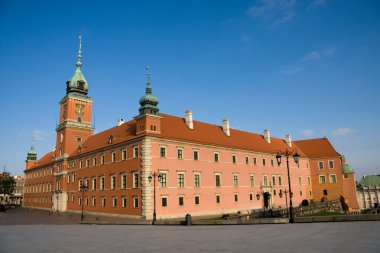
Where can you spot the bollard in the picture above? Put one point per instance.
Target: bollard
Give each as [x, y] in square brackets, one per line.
[188, 220]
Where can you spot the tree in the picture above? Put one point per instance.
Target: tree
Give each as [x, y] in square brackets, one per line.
[7, 184]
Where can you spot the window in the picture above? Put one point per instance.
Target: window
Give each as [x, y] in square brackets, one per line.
[271, 162]
[251, 180]
[103, 201]
[307, 165]
[196, 200]
[87, 163]
[273, 180]
[196, 155]
[274, 192]
[94, 161]
[333, 178]
[124, 202]
[246, 160]
[345, 176]
[93, 201]
[124, 181]
[102, 158]
[279, 180]
[264, 161]
[181, 200]
[163, 182]
[80, 164]
[86, 201]
[135, 202]
[181, 180]
[180, 153]
[236, 197]
[300, 193]
[102, 183]
[308, 180]
[79, 185]
[265, 180]
[80, 201]
[331, 164]
[325, 192]
[68, 178]
[322, 179]
[216, 157]
[94, 183]
[197, 181]
[236, 180]
[217, 180]
[124, 154]
[162, 152]
[217, 198]
[299, 180]
[164, 201]
[250, 196]
[135, 180]
[113, 156]
[255, 161]
[114, 201]
[135, 151]
[320, 164]
[113, 182]
[233, 158]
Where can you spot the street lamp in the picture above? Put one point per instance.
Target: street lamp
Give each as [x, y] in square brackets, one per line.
[159, 177]
[83, 187]
[296, 157]
[286, 200]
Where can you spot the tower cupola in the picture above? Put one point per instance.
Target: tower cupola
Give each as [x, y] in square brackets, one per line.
[148, 102]
[78, 84]
[32, 154]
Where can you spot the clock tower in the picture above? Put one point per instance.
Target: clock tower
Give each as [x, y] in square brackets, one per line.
[75, 121]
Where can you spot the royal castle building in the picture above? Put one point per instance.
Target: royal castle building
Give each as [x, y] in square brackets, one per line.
[204, 169]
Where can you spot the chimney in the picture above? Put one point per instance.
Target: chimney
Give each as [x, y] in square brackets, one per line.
[120, 122]
[288, 139]
[267, 135]
[189, 119]
[226, 127]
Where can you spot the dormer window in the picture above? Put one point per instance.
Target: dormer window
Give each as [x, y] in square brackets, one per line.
[81, 85]
[80, 149]
[110, 139]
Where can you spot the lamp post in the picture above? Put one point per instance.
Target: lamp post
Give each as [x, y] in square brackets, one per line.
[159, 177]
[296, 157]
[258, 198]
[83, 188]
[286, 201]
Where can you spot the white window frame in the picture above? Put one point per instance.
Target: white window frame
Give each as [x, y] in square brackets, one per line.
[333, 165]
[320, 179]
[134, 180]
[331, 181]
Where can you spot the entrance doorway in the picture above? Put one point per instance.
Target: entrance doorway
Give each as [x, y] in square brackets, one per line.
[266, 200]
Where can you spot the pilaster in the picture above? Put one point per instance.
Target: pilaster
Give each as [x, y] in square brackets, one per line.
[146, 187]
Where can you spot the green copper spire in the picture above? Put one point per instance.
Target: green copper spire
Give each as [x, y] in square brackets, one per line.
[78, 84]
[32, 154]
[148, 102]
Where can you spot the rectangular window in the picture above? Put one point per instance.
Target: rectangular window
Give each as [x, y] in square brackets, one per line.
[217, 180]
[331, 164]
[164, 201]
[86, 201]
[162, 152]
[113, 182]
[320, 164]
[264, 161]
[322, 179]
[236, 180]
[279, 180]
[135, 151]
[79, 185]
[308, 181]
[307, 165]
[94, 183]
[180, 153]
[246, 160]
[181, 180]
[236, 197]
[68, 178]
[325, 192]
[265, 180]
[196, 155]
[124, 202]
[271, 162]
[233, 158]
[93, 201]
[114, 201]
[163, 182]
[333, 178]
[103, 201]
[87, 163]
[181, 200]
[94, 161]
[135, 180]
[102, 159]
[80, 201]
[135, 202]
[299, 180]
[216, 157]
[217, 197]
[124, 154]
[273, 180]
[197, 180]
[80, 164]
[345, 176]
[102, 179]
[113, 156]
[196, 200]
[251, 180]
[124, 181]
[255, 161]
[250, 196]
[300, 193]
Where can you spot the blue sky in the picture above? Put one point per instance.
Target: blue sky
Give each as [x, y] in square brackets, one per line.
[285, 65]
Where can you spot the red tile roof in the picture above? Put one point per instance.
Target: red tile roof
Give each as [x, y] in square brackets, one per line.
[316, 148]
[45, 160]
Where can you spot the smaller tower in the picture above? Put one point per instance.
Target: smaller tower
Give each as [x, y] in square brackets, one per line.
[148, 121]
[31, 158]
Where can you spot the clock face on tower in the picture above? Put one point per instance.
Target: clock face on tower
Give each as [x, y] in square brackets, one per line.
[79, 109]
